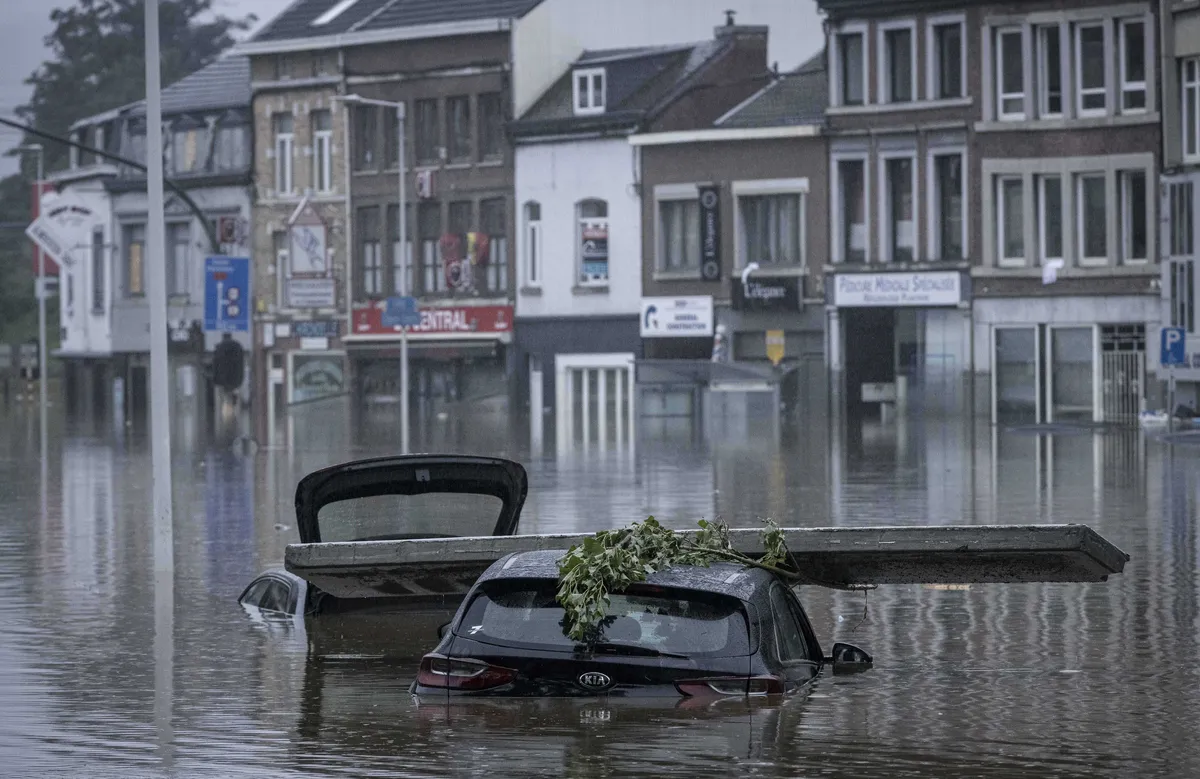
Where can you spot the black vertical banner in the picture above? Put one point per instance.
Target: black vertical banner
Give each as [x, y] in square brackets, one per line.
[710, 233]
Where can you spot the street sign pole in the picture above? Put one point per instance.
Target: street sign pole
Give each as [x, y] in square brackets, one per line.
[156, 288]
[405, 264]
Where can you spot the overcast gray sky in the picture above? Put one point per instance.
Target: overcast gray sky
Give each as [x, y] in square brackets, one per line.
[26, 24]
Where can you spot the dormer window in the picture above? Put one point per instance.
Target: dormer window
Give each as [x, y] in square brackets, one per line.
[589, 91]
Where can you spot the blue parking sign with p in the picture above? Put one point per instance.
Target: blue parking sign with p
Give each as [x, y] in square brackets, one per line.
[1174, 346]
[227, 294]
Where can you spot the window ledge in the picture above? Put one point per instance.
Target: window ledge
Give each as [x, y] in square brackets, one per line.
[589, 289]
[531, 291]
[1068, 272]
[1079, 123]
[913, 105]
[460, 165]
[491, 162]
[677, 275]
[774, 270]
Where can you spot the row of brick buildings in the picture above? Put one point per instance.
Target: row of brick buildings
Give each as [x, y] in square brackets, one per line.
[924, 204]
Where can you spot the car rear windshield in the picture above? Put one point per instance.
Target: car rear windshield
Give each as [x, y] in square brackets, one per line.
[671, 621]
[391, 517]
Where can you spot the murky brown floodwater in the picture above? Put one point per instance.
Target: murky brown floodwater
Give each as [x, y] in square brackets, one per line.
[1037, 680]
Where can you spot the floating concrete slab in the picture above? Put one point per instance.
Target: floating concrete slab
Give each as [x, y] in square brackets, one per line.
[830, 557]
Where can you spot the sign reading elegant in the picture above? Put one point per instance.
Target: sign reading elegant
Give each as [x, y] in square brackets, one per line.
[437, 322]
[710, 233]
[761, 293]
[683, 317]
[934, 288]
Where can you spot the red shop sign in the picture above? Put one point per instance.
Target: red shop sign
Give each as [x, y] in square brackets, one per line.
[438, 322]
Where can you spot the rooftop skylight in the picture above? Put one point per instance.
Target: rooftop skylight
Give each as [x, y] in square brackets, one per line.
[333, 13]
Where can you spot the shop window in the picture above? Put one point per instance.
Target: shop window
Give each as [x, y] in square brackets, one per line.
[592, 242]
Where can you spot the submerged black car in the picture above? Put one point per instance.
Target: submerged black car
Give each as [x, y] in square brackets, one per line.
[725, 630]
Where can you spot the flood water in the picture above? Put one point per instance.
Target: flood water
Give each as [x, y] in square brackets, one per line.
[100, 678]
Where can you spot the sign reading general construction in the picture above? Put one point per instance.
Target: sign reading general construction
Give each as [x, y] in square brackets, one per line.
[935, 288]
[680, 317]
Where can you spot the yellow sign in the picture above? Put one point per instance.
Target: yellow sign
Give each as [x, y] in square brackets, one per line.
[775, 346]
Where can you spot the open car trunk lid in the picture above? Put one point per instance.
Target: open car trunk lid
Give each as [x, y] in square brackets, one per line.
[411, 496]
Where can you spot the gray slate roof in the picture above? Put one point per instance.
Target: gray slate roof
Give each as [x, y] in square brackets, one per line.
[296, 21]
[637, 81]
[222, 84]
[796, 98]
[727, 578]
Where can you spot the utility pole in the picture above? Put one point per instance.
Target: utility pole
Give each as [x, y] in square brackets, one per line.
[41, 297]
[156, 289]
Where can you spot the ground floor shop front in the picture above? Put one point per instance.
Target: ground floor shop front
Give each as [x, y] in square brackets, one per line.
[1053, 359]
[899, 342]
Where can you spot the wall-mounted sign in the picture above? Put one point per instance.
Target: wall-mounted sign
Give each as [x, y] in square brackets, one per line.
[450, 322]
[316, 376]
[682, 317]
[933, 288]
[710, 233]
[307, 239]
[39, 191]
[311, 293]
[767, 293]
[317, 328]
[775, 346]
[65, 225]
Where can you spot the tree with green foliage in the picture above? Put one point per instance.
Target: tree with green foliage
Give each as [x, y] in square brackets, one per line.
[97, 62]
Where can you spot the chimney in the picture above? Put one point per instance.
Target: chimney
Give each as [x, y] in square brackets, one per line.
[731, 28]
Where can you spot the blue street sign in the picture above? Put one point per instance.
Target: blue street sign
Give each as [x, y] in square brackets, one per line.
[1174, 343]
[227, 294]
[401, 312]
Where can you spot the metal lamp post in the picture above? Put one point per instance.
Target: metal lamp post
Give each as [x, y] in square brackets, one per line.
[406, 265]
[41, 295]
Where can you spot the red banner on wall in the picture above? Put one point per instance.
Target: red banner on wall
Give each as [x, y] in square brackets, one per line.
[443, 323]
[35, 212]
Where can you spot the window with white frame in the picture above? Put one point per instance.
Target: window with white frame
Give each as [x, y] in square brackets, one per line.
[1091, 87]
[772, 229]
[899, 208]
[179, 249]
[679, 234]
[1050, 217]
[898, 64]
[533, 243]
[1181, 242]
[851, 185]
[322, 159]
[1190, 105]
[279, 243]
[948, 198]
[589, 91]
[402, 259]
[1010, 220]
[1049, 70]
[1092, 217]
[1134, 216]
[948, 65]
[1133, 64]
[285, 141]
[369, 260]
[1010, 73]
[592, 219]
[852, 67]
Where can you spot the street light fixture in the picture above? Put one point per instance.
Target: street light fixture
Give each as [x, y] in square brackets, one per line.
[406, 261]
[41, 296]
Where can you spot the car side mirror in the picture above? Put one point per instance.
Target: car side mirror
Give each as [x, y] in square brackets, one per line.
[848, 659]
[442, 630]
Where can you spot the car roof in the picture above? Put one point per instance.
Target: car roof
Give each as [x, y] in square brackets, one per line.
[732, 579]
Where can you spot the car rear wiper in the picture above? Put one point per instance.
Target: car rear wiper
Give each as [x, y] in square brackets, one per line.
[631, 650]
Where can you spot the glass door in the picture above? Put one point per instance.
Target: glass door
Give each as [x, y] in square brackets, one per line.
[1072, 383]
[1016, 375]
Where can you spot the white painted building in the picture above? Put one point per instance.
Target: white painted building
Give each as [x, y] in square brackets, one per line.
[579, 231]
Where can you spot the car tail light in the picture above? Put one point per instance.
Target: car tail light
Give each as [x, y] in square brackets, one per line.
[460, 674]
[732, 685]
